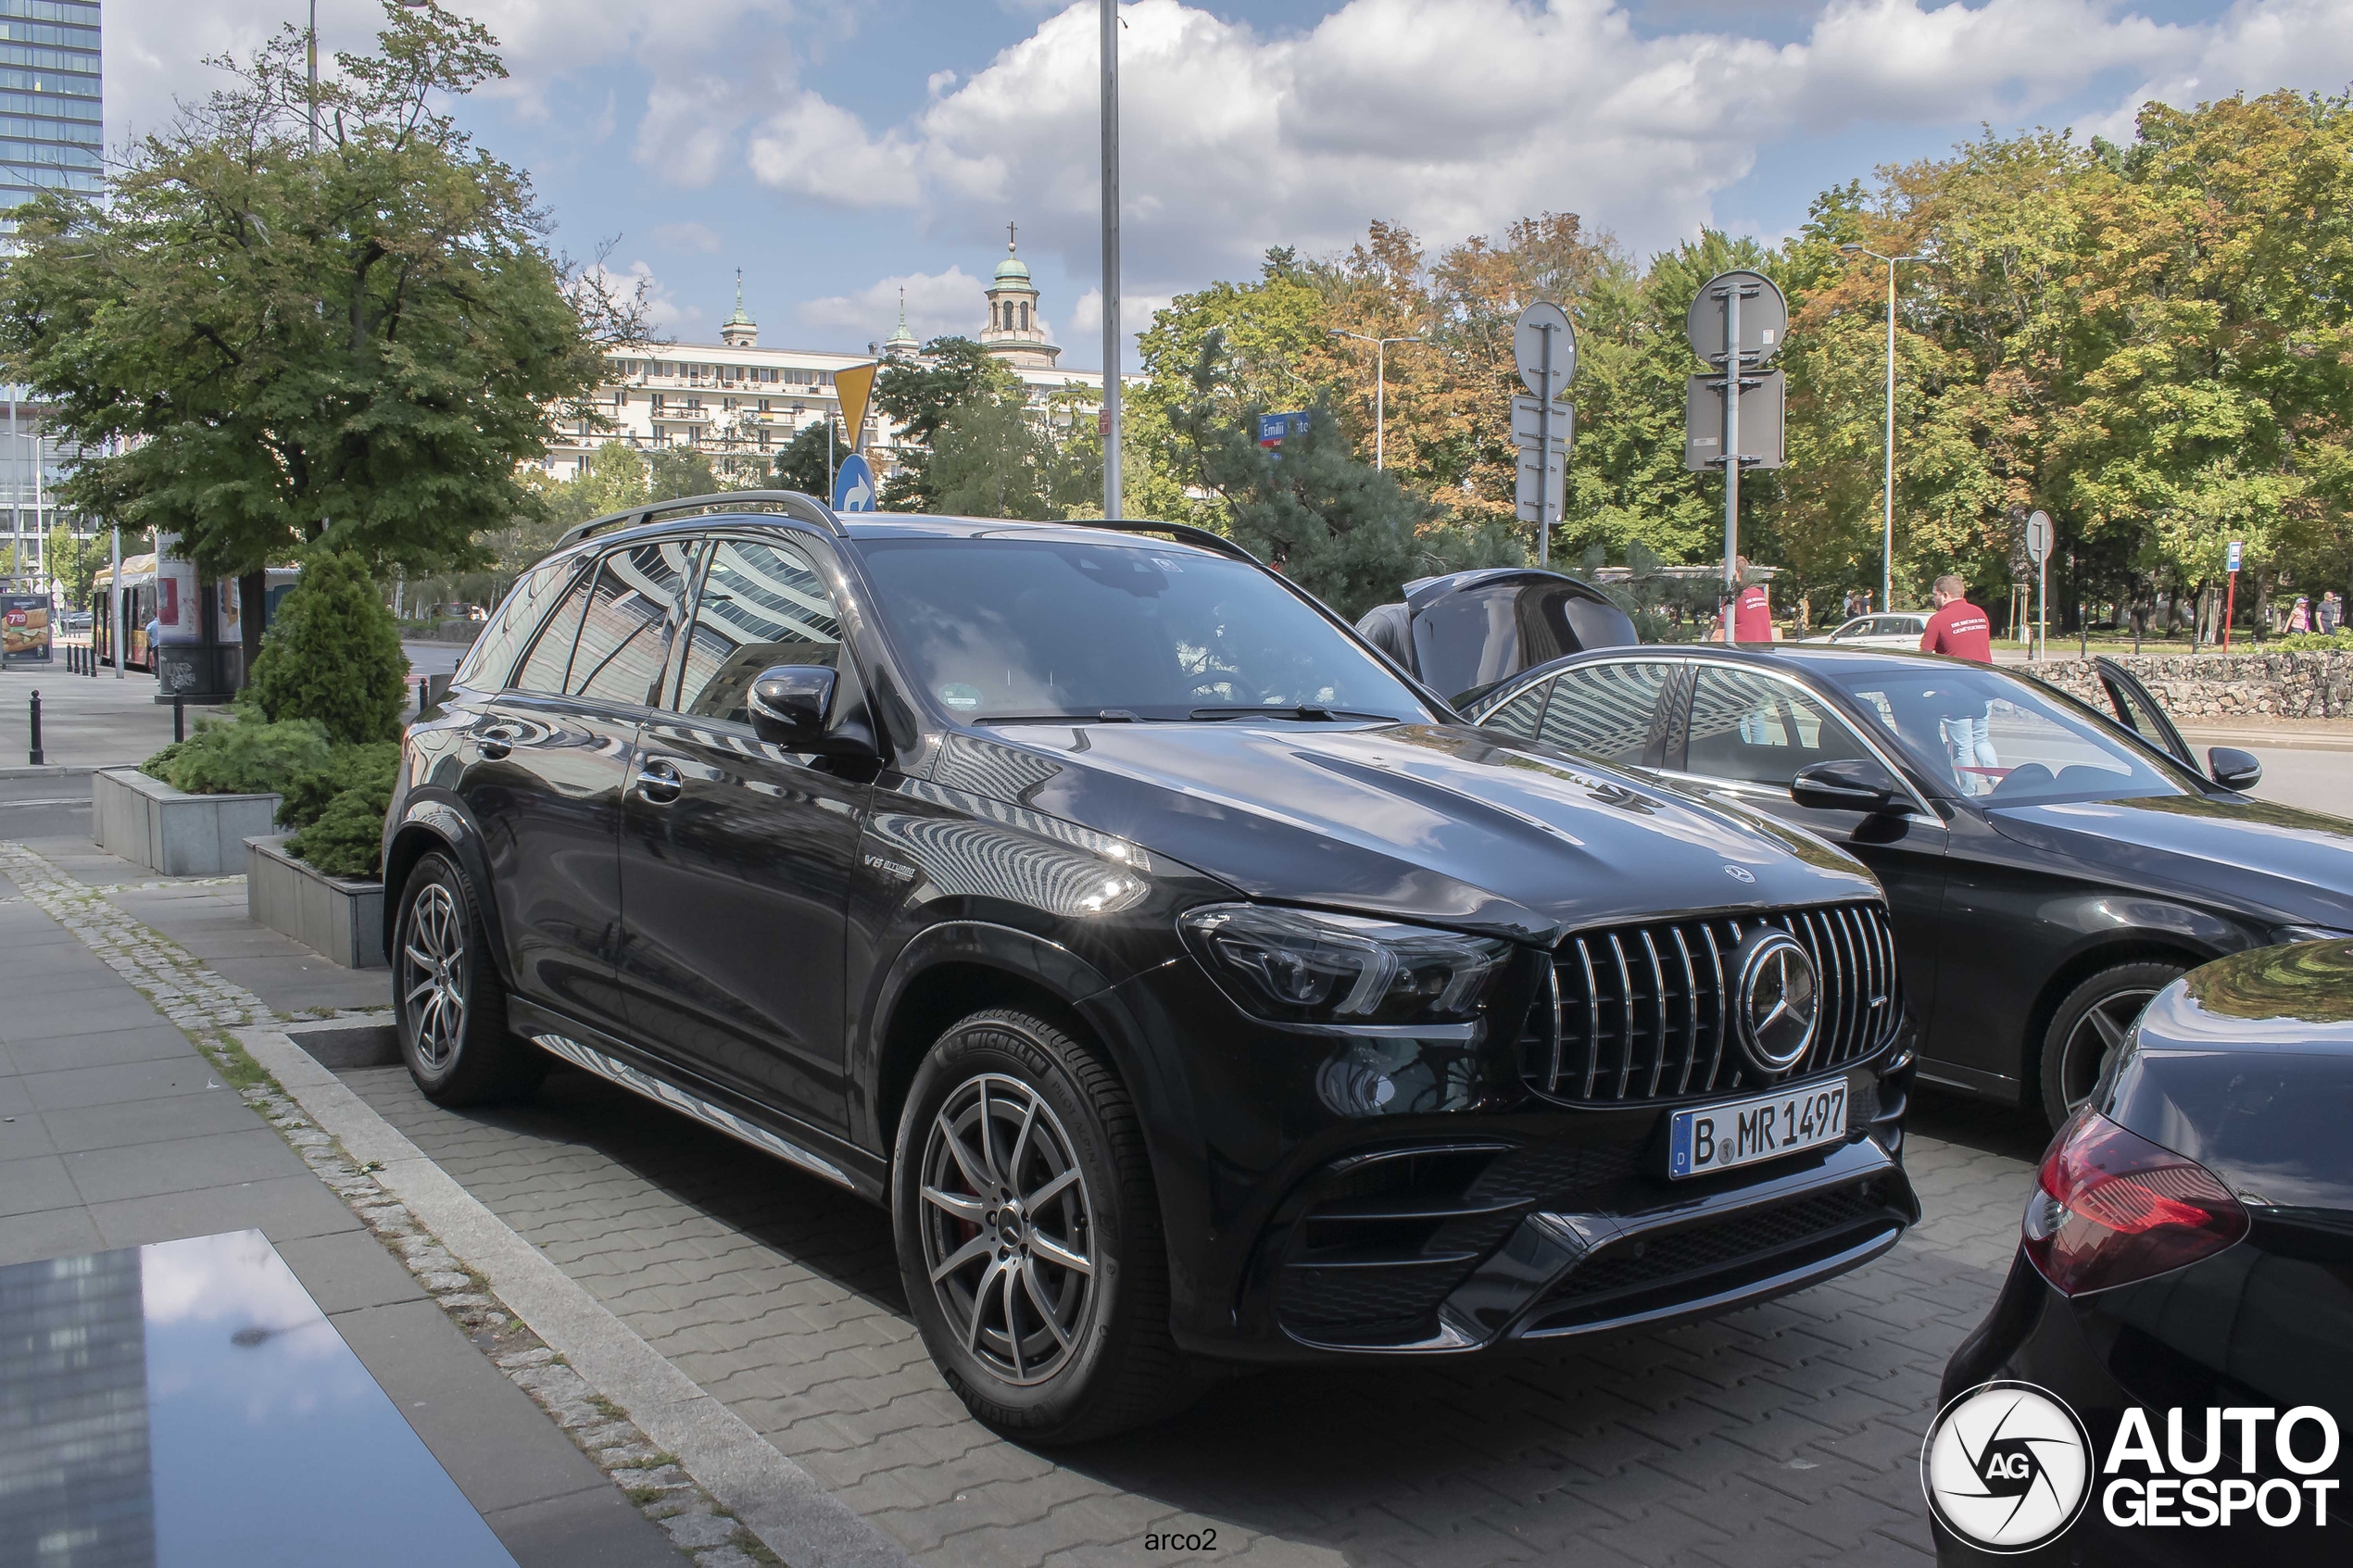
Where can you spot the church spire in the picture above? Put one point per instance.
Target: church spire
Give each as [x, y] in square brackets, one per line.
[739, 331]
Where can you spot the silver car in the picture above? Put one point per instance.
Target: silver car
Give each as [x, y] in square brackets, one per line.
[1900, 629]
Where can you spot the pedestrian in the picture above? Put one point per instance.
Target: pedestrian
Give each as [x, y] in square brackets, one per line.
[1960, 630]
[1751, 608]
[2300, 618]
[2332, 614]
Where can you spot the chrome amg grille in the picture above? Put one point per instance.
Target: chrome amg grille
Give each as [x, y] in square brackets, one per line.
[1638, 1012]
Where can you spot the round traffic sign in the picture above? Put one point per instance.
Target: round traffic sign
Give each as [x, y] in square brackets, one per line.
[1763, 317]
[2038, 536]
[1543, 327]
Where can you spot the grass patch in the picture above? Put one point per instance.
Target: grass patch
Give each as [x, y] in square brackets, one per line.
[238, 1069]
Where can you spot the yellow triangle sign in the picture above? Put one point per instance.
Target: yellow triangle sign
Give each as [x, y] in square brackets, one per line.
[854, 387]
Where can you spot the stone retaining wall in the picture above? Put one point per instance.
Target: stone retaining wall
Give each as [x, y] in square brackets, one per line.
[2235, 686]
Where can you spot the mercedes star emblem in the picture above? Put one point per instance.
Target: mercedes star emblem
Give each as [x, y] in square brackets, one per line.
[1779, 1000]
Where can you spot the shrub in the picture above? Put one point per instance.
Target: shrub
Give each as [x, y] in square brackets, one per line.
[348, 839]
[242, 756]
[367, 766]
[2314, 642]
[333, 654]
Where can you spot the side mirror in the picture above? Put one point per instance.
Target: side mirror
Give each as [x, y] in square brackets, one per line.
[788, 706]
[1852, 785]
[2234, 769]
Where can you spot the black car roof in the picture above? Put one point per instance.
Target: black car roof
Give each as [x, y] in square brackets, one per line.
[786, 509]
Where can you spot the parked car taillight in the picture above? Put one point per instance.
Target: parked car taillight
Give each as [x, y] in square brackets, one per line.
[2111, 1207]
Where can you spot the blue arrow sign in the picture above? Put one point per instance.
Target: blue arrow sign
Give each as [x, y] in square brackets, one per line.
[854, 485]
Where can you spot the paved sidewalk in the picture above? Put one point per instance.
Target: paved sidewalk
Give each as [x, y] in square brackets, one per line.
[1787, 1433]
[116, 1130]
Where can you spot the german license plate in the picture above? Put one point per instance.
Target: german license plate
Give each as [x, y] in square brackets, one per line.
[1709, 1138]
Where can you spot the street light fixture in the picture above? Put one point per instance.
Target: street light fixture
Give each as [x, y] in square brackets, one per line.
[1380, 375]
[1887, 557]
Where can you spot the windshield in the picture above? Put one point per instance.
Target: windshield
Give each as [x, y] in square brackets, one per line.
[1018, 628]
[2004, 740]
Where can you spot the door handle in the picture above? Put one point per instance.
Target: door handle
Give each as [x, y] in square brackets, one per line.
[494, 743]
[657, 781]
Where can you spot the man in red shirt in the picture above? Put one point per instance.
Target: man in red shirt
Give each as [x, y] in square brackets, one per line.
[1958, 627]
[1753, 611]
[1959, 630]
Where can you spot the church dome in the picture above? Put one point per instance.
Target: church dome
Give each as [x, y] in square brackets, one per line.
[1012, 270]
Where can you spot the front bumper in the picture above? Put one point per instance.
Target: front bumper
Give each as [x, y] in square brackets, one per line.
[1337, 1199]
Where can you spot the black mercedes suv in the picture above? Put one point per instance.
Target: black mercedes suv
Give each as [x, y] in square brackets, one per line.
[1192, 985]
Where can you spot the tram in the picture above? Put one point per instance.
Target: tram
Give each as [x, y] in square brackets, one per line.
[139, 590]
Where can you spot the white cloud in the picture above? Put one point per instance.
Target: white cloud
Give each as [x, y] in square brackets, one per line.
[664, 311]
[816, 149]
[939, 304]
[687, 236]
[1454, 117]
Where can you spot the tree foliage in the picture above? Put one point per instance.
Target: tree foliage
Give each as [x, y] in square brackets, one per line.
[274, 346]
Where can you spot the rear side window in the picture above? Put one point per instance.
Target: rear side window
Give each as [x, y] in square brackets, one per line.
[761, 605]
[618, 655]
[492, 659]
[1518, 716]
[1605, 710]
[550, 658]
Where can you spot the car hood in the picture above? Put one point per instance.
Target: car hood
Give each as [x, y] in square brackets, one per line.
[1428, 823]
[2262, 857]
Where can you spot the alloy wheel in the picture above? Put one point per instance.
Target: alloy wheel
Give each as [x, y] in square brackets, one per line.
[433, 976]
[1004, 1221]
[2095, 1038]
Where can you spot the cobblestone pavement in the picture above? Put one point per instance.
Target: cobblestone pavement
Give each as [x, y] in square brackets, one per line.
[1785, 1434]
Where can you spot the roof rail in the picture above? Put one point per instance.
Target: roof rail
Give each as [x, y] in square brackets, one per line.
[1207, 539]
[792, 503]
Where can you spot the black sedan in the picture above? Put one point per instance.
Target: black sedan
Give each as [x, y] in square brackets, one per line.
[2164, 1378]
[2047, 868]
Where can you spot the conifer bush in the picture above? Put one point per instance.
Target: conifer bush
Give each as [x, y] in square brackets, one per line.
[333, 653]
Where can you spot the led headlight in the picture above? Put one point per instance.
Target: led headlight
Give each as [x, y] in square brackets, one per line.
[1303, 967]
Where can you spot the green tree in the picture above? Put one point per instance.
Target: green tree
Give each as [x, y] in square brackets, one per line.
[280, 346]
[73, 562]
[1344, 531]
[802, 464]
[681, 471]
[333, 653]
[918, 395]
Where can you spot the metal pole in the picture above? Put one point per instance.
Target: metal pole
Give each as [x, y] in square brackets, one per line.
[1380, 403]
[1887, 557]
[115, 607]
[2043, 606]
[1544, 459]
[16, 494]
[1112, 494]
[1731, 462]
[40, 525]
[36, 758]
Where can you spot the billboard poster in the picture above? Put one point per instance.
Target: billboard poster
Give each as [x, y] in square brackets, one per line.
[25, 629]
[179, 601]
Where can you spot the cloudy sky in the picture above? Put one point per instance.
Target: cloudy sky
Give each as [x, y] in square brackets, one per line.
[838, 150]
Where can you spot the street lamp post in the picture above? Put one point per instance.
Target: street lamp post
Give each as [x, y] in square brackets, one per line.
[1109, 65]
[1380, 398]
[1887, 557]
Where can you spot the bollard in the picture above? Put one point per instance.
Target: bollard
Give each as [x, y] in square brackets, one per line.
[421, 689]
[37, 759]
[178, 720]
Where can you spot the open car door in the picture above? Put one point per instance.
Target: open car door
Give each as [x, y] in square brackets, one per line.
[2140, 712]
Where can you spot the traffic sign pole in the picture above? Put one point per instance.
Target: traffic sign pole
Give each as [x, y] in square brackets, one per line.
[1544, 463]
[1732, 461]
[2231, 595]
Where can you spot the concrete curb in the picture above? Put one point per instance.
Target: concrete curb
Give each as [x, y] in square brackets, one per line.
[59, 770]
[775, 1498]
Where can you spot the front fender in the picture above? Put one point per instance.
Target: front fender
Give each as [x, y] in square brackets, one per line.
[423, 823]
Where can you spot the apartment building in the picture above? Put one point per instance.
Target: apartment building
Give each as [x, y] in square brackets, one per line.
[741, 403]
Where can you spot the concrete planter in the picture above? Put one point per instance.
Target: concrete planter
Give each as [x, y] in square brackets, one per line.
[343, 921]
[149, 824]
